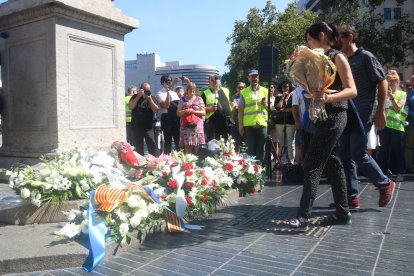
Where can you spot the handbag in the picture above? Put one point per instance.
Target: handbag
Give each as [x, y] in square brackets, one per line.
[190, 121]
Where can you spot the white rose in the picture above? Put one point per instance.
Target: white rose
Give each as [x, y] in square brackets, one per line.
[135, 220]
[133, 201]
[123, 229]
[24, 193]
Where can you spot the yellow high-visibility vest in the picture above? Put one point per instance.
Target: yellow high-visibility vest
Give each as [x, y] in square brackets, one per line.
[210, 98]
[128, 114]
[254, 113]
[396, 120]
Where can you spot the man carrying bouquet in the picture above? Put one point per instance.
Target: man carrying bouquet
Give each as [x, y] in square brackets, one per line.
[371, 84]
[253, 115]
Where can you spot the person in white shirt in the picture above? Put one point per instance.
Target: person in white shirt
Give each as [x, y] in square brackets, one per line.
[167, 114]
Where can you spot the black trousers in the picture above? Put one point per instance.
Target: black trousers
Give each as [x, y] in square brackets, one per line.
[214, 130]
[129, 133]
[171, 130]
[142, 134]
[322, 154]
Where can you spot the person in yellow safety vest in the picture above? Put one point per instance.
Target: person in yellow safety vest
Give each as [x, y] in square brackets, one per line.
[253, 115]
[132, 90]
[218, 112]
[392, 136]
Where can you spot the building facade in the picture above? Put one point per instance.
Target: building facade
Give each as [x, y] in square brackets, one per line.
[149, 68]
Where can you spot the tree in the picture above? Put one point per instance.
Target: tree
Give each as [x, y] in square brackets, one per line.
[391, 45]
[262, 27]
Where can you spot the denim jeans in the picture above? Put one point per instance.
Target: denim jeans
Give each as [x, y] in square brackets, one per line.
[255, 139]
[353, 151]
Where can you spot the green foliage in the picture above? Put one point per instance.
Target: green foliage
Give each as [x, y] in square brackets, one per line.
[262, 27]
[391, 45]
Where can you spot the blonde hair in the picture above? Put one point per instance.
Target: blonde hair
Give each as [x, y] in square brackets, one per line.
[393, 75]
[191, 85]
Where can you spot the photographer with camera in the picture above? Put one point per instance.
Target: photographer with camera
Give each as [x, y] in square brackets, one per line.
[219, 120]
[143, 109]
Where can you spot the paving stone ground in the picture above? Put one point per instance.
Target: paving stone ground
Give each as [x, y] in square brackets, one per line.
[246, 239]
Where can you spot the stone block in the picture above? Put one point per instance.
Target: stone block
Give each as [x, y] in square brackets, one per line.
[27, 213]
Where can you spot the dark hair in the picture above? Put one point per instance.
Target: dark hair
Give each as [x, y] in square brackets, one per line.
[283, 84]
[165, 78]
[329, 30]
[347, 30]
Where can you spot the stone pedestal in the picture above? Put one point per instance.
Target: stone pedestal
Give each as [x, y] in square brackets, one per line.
[63, 76]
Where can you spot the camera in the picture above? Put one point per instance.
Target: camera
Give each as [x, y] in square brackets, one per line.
[147, 92]
[182, 78]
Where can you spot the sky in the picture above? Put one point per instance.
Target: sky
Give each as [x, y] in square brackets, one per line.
[193, 32]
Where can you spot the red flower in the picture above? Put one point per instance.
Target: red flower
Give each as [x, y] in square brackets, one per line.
[241, 161]
[188, 199]
[244, 167]
[188, 173]
[188, 166]
[204, 197]
[204, 181]
[190, 185]
[217, 187]
[164, 197]
[172, 184]
[202, 173]
[256, 167]
[227, 154]
[228, 167]
[164, 175]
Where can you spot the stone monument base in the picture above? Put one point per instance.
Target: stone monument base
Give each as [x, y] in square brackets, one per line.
[26, 213]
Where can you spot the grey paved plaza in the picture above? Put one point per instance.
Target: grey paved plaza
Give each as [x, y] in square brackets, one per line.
[246, 239]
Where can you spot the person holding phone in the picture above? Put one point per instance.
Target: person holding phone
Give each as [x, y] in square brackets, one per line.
[218, 112]
[285, 123]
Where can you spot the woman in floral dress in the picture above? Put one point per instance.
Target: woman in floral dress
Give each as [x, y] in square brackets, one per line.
[191, 110]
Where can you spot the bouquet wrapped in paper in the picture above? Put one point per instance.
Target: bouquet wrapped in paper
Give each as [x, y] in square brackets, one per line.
[312, 70]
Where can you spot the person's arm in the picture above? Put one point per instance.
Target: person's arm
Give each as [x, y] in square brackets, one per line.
[166, 102]
[380, 115]
[349, 89]
[400, 104]
[134, 100]
[153, 105]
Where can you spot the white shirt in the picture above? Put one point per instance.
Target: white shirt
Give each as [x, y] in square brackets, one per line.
[160, 96]
[297, 100]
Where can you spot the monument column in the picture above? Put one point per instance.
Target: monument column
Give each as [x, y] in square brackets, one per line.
[63, 76]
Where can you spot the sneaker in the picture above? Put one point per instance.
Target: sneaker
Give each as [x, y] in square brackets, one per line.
[298, 224]
[334, 219]
[386, 194]
[353, 204]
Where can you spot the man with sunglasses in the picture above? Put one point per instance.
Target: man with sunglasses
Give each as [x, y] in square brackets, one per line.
[164, 99]
[371, 86]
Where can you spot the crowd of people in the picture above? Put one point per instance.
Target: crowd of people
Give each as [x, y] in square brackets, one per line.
[370, 109]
